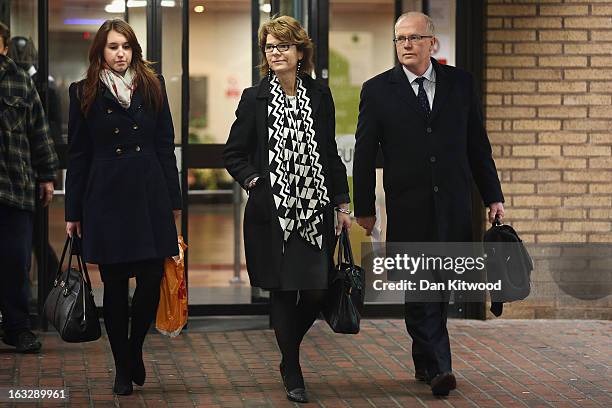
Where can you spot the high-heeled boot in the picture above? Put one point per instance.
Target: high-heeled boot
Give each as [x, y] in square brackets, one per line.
[144, 309]
[116, 323]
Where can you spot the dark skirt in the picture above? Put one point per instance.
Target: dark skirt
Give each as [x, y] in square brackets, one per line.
[304, 267]
[127, 270]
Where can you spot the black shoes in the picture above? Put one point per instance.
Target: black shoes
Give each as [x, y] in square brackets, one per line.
[442, 383]
[121, 387]
[138, 369]
[123, 381]
[137, 365]
[25, 341]
[294, 384]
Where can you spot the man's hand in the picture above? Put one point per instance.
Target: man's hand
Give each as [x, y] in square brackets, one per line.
[367, 223]
[177, 214]
[496, 209]
[73, 227]
[45, 192]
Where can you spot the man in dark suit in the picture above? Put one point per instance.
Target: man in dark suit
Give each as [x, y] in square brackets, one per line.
[426, 118]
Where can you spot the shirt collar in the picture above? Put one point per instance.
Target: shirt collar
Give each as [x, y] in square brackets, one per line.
[429, 74]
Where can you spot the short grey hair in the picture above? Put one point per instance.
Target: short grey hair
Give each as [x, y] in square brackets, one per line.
[431, 30]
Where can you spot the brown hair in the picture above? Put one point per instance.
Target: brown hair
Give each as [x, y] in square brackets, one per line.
[5, 33]
[146, 79]
[288, 29]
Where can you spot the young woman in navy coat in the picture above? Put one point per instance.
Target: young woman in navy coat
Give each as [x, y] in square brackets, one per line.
[122, 187]
[282, 149]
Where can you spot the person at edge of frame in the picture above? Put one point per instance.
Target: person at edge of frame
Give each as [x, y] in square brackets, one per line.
[122, 187]
[23, 52]
[427, 120]
[28, 163]
[282, 150]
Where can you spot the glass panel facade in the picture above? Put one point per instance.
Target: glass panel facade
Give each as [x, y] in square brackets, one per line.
[220, 67]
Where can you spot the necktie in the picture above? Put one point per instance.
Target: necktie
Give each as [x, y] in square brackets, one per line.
[422, 96]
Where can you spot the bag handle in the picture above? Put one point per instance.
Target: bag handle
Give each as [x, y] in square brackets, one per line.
[497, 222]
[340, 251]
[58, 274]
[66, 284]
[83, 269]
[73, 243]
[348, 251]
[345, 252]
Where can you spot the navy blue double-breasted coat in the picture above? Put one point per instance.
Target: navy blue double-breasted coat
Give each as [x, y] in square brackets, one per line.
[122, 180]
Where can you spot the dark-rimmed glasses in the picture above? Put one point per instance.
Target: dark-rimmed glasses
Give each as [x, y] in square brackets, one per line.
[411, 38]
[283, 47]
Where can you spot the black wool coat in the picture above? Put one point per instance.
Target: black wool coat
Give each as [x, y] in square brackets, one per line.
[122, 180]
[246, 155]
[429, 164]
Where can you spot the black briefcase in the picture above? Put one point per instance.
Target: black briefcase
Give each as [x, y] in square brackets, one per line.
[344, 303]
[507, 261]
[70, 306]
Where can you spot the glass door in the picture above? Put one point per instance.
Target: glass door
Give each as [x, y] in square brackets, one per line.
[216, 64]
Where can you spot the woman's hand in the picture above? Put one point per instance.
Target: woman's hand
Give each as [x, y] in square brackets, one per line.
[73, 227]
[344, 220]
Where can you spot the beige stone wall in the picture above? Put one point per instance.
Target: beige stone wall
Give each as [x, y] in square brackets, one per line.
[548, 101]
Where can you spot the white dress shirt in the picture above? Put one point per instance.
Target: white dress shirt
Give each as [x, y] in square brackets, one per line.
[429, 84]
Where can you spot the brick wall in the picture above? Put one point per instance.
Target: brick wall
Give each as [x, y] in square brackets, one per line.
[548, 101]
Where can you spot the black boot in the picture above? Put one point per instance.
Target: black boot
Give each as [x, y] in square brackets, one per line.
[139, 374]
[144, 309]
[116, 323]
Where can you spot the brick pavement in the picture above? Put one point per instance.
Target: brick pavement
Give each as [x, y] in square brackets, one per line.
[507, 363]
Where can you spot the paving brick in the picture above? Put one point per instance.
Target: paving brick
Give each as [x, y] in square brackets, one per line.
[497, 363]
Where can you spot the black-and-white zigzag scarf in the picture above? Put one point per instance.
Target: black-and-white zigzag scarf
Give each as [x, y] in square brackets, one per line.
[296, 174]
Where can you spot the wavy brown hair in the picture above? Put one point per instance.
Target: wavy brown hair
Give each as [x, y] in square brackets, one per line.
[288, 29]
[146, 79]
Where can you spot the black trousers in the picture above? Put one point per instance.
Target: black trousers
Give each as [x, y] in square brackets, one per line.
[15, 262]
[426, 324]
[116, 310]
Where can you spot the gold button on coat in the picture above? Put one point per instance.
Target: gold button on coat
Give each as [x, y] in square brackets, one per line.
[109, 110]
[118, 151]
[135, 127]
[116, 130]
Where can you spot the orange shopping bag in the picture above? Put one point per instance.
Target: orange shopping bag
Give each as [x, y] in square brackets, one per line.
[172, 309]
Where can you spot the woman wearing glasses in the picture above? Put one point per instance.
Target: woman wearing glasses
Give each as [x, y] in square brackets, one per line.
[282, 150]
[122, 187]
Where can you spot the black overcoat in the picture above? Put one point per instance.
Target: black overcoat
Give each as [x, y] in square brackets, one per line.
[429, 164]
[122, 180]
[246, 155]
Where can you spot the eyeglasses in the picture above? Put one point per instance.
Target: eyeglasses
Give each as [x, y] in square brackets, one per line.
[269, 48]
[411, 38]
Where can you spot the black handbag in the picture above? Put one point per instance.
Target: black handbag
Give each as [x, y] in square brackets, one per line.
[344, 303]
[70, 305]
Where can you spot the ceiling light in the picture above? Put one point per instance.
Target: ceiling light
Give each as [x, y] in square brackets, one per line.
[83, 21]
[116, 6]
[137, 3]
[198, 9]
[266, 8]
[168, 3]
